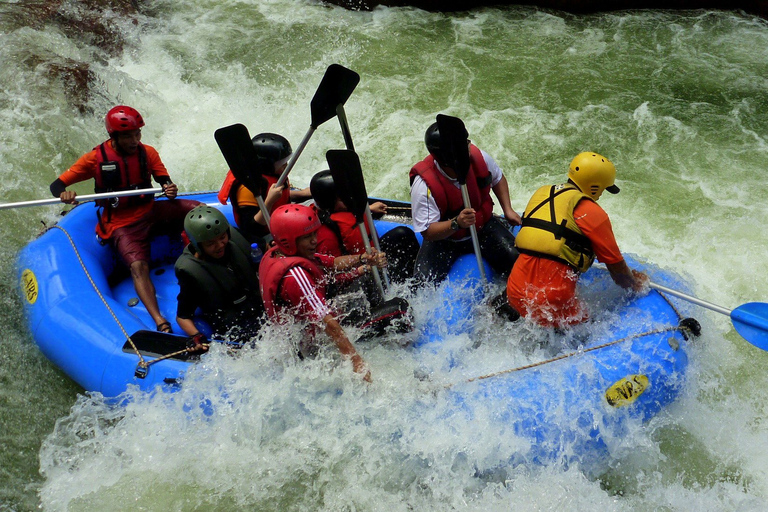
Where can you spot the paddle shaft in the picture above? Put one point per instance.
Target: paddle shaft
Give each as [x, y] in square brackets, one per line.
[694, 300]
[342, 116]
[88, 197]
[295, 156]
[473, 233]
[750, 320]
[264, 211]
[375, 269]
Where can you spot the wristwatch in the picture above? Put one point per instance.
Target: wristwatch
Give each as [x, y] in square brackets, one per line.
[455, 224]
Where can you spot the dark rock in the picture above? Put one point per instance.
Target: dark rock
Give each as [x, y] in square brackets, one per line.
[756, 7]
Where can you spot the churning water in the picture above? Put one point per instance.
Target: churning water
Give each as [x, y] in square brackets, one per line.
[677, 100]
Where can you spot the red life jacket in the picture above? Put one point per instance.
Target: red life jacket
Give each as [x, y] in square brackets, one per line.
[122, 172]
[273, 269]
[339, 234]
[226, 187]
[231, 185]
[448, 197]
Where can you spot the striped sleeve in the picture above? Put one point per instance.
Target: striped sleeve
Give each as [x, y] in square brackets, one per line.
[299, 289]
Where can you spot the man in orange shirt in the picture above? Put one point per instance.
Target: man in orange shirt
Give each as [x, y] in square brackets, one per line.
[275, 151]
[124, 163]
[563, 232]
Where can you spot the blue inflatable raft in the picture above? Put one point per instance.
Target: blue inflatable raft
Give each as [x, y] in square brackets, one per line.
[571, 406]
[83, 313]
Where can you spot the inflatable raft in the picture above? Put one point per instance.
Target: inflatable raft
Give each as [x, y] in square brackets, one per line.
[570, 407]
[81, 310]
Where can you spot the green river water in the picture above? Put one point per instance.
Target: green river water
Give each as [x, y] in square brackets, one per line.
[678, 101]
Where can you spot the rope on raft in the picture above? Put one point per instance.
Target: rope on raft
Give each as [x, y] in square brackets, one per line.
[143, 364]
[681, 328]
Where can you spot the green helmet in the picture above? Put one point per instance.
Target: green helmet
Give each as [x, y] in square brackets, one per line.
[204, 223]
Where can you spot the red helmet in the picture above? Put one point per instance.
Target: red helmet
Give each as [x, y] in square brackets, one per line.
[289, 222]
[123, 119]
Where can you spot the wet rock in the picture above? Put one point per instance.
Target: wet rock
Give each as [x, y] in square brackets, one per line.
[757, 7]
[95, 23]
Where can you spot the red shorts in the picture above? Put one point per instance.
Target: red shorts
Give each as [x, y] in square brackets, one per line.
[544, 291]
[132, 242]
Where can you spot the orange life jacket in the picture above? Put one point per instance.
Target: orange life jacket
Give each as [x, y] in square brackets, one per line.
[230, 188]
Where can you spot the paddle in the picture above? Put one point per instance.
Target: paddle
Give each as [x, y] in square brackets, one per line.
[236, 146]
[342, 115]
[334, 90]
[455, 147]
[88, 197]
[348, 178]
[750, 320]
[160, 344]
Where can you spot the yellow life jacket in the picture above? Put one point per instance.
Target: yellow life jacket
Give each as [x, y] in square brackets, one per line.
[550, 231]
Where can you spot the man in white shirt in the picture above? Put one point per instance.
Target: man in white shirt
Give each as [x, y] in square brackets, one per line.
[439, 215]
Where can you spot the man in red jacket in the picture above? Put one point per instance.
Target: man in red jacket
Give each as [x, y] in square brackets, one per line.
[440, 216]
[124, 163]
[340, 233]
[293, 281]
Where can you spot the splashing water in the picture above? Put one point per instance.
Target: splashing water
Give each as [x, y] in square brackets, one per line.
[675, 100]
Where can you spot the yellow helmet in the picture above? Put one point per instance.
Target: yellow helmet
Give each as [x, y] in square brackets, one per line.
[593, 173]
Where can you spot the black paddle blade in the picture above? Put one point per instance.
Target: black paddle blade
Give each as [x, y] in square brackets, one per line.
[348, 178]
[236, 146]
[335, 89]
[157, 344]
[454, 145]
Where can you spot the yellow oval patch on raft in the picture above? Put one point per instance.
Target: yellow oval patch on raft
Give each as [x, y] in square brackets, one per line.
[29, 286]
[626, 390]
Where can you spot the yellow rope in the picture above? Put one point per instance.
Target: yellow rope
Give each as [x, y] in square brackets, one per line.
[571, 354]
[142, 363]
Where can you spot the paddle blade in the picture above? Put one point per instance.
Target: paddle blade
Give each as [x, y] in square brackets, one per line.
[157, 344]
[335, 89]
[454, 145]
[236, 146]
[348, 178]
[751, 322]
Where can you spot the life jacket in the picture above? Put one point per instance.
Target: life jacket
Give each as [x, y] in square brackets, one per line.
[121, 172]
[231, 186]
[273, 269]
[549, 229]
[332, 224]
[232, 287]
[448, 196]
[329, 239]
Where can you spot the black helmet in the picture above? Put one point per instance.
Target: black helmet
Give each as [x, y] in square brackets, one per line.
[271, 147]
[432, 140]
[323, 190]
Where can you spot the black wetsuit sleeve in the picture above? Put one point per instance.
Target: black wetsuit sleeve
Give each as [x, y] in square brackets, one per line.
[249, 227]
[57, 187]
[163, 180]
[187, 298]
